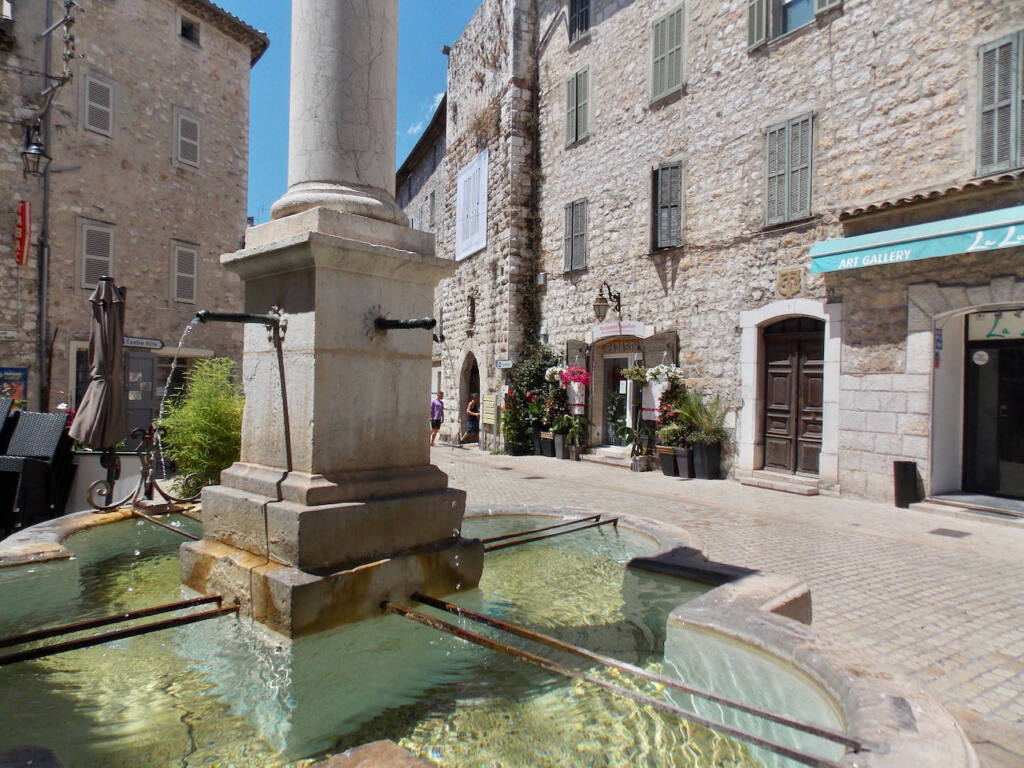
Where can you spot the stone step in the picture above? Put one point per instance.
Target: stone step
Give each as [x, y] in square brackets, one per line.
[966, 511]
[802, 486]
[607, 459]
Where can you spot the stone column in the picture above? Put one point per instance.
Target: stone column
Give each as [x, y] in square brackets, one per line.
[341, 130]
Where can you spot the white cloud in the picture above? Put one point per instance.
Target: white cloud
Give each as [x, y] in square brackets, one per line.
[425, 114]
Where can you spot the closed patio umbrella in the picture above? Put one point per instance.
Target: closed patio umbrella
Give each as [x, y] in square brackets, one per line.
[100, 420]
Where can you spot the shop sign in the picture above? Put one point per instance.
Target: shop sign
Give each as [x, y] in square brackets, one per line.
[140, 342]
[489, 409]
[978, 232]
[621, 347]
[996, 326]
[8, 335]
[504, 364]
[619, 328]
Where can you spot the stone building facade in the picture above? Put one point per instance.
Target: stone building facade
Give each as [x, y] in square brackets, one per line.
[148, 183]
[712, 162]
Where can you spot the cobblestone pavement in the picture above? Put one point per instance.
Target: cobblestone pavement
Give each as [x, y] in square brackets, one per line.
[948, 611]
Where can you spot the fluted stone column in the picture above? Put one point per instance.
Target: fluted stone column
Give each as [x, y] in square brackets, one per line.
[341, 131]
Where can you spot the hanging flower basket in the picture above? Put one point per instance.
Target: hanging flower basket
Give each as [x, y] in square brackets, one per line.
[574, 374]
[577, 397]
[652, 399]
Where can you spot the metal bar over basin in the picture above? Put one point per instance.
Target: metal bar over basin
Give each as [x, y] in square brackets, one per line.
[612, 521]
[538, 530]
[553, 642]
[552, 666]
[162, 524]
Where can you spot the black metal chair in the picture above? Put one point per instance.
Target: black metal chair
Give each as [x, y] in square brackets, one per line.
[35, 471]
[7, 422]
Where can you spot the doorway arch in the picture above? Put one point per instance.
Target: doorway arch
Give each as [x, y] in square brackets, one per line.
[469, 384]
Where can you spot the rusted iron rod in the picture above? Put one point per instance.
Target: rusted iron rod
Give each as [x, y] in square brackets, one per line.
[553, 642]
[78, 626]
[153, 520]
[191, 517]
[117, 634]
[613, 521]
[552, 666]
[538, 530]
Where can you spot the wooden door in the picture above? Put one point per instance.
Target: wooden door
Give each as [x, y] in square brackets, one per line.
[794, 365]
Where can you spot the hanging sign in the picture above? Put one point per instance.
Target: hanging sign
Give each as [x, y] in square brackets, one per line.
[503, 364]
[23, 232]
[139, 342]
[619, 328]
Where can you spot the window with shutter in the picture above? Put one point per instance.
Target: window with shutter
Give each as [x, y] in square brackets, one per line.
[667, 206]
[667, 54]
[188, 141]
[575, 236]
[788, 169]
[471, 207]
[579, 18]
[97, 253]
[577, 106]
[771, 19]
[185, 263]
[189, 30]
[99, 106]
[1000, 95]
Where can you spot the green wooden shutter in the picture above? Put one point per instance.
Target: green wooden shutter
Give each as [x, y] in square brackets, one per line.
[582, 101]
[579, 233]
[675, 203]
[775, 174]
[659, 45]
[567, 238]
[999, 104]
[820, 6]
[570, 110]
[757, 14]
[674, 52]
[800, 148]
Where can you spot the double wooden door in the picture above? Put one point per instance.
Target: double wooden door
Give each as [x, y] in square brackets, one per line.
[794, 366]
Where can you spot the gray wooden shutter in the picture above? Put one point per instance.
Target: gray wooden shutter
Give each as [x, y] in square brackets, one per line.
[570, 110]
[582, 102]
[577, 353]
[579, 234]
[820, 6]
[998, 104]
[188, 140]
[800, 148]
[661, 348]
[99, 106]
[185, 274]
[659, 45]
[674, 52]
[1020, 100]
[567, 236]
[775, 174]
[97, 254]
[757, 14]
[675, 203]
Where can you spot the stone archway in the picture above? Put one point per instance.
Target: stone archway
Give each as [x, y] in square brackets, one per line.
[750, 426]
[469, 384]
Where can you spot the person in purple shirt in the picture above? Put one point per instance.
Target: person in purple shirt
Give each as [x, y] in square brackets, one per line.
[436, 415]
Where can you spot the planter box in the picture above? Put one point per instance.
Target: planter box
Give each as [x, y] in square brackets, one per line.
[684, 462]
[707, 461]
[561, 449]
[667, 457]
[642, 463]
[547, 444]
[575, 451]
[535, 436]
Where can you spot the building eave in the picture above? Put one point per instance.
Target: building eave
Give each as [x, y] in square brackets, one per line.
[231, 25]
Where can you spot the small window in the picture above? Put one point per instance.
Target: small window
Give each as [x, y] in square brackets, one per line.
[471, 315]
[577, 108]
[99, 106]
[188, 141]
[1001, 104]
[788, 171]
[190, 30]
[6, 11]
[97, 253]
[433, 220]
[771, 19]
[575, 235]
[667, 54]
[667, 206]
[579, 18]
[185, 262]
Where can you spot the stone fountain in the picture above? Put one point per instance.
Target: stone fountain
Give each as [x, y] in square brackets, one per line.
[334, 505]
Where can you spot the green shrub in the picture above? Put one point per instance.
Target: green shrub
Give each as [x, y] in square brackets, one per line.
[526, 376]
[203, 424]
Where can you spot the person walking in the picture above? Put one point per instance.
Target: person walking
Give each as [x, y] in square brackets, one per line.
[472, 417]
[436, 415]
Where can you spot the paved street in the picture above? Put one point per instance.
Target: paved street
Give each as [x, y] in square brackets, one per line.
[944, 609]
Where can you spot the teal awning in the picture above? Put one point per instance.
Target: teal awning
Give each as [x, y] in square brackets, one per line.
[987, 231]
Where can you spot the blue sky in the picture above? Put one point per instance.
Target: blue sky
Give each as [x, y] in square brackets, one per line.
[423, 27]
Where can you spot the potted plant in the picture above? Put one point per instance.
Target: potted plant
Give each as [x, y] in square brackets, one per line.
[575, 431]
[671, 438]
[557, 407]
[575, 380]
[708, 433]
[536, 408]
[639, 442]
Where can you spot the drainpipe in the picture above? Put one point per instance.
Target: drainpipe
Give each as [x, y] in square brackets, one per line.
[43, 359]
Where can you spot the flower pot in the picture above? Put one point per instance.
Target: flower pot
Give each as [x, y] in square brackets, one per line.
[667, 457]
[535, 436]
[561, 449]
[642, 463]
[547, 444]
[575, 451]
[707, 460]
[684, 462]
[576, 394]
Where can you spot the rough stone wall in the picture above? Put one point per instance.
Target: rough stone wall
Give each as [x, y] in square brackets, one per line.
[19, 101]
[132, 182]
[428, 179]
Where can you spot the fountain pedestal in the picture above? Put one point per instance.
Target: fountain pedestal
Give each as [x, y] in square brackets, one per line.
[334, 505]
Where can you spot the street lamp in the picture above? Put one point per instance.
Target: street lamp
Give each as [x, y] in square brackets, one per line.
[34, 156]
[601, 303]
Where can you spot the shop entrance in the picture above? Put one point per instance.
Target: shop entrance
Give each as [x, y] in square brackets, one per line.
[794, 352]
[994, 404]
[621, 398]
